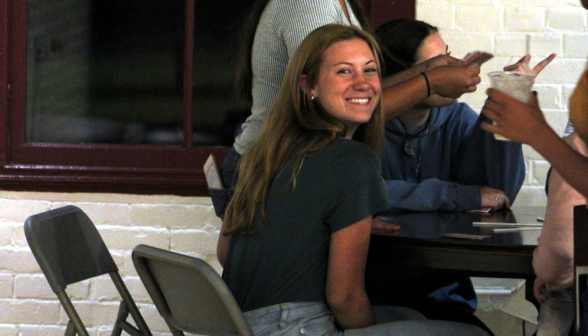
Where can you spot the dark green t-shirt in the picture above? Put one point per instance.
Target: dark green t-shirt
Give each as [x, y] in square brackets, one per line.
[286, 259]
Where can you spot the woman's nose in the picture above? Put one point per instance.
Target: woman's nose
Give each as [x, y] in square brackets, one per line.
[360, 82]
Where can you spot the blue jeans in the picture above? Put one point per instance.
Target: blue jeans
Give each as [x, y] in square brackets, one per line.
[221, 197]
[556, 314]
[314, 318]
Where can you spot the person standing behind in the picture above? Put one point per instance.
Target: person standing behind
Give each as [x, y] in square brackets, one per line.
[294, 240]
[272, 34]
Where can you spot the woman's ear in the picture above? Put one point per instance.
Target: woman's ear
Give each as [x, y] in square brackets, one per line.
[302, 84]
[305, 87]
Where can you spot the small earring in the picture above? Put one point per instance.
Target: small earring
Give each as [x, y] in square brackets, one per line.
[312, 97]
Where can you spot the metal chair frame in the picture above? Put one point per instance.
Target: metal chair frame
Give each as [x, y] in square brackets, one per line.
[188, 293]
[69, 249]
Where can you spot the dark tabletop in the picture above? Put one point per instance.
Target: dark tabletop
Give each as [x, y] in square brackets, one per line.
[421, 244]
[434, 225]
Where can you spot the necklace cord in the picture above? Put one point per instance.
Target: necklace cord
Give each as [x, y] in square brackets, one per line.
[408, 143]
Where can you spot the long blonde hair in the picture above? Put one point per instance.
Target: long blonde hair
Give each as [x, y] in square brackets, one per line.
[295, 123]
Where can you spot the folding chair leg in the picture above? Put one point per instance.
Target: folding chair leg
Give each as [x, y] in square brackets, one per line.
[128, 306]
[70, 330]
[72, 314]
[123, 312]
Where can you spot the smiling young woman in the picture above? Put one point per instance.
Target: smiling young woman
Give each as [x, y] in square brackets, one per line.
[295, 237]
[349, 86]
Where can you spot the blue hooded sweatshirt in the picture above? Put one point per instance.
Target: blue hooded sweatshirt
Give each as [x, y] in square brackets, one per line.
[453, 158]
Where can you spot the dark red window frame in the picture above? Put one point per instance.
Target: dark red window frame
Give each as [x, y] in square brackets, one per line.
[26, 166]
[86, 168]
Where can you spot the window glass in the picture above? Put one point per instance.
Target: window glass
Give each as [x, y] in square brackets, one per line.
[217, 112]
[113, 72]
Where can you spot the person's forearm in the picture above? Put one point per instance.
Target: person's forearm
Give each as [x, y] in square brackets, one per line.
[401, 76]
[352, 312]
[447, 81]
[345, 285]
[570, 164]
[432, 195]
[403, 95]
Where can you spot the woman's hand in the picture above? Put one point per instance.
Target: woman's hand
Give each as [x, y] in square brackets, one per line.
[438, 61]
[514, 120]
[523, 65]
[452, 81]
[382, 227]
[493, 198]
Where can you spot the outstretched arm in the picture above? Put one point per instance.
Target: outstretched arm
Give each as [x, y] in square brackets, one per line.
[446, 75]
[526, 124]
[345, 285]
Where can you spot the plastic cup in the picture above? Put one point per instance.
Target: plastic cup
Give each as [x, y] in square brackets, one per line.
[515, 84]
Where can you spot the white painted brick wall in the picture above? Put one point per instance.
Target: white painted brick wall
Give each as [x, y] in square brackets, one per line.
[478, 18]
[35, 286]
[524, 19]
[566, 19]
[575, 45]
[29, 308]
[6, 285]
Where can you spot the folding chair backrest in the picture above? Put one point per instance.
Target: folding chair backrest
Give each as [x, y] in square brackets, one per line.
[188, 293]
[580, 264]
[69, 249]
[67, 246]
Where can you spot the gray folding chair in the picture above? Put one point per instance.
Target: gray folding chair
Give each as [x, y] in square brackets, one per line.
[188, 293]
[580, 266]
[69, 249]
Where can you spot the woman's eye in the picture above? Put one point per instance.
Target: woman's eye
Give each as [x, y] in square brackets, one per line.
[343, 71]
[371, 70]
